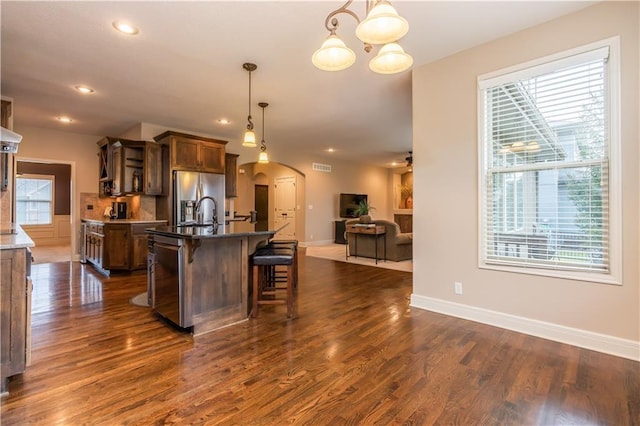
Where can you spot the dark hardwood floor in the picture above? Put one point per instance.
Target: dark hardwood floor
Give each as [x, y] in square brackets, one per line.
[356, 354]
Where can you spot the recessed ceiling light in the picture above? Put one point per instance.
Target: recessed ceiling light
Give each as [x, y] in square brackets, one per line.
[331, 150]
[64, 119]
[394, 163]
[125, 27]
[224, 121]
[85, 90]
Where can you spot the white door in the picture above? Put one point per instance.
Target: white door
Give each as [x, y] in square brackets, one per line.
[285, 207]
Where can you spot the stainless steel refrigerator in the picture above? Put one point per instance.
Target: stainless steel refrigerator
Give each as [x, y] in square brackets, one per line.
[188, 188]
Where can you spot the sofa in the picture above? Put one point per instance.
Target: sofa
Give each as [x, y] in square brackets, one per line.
[399, 244]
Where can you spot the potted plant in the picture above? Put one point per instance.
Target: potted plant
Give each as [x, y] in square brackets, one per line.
[363, 210]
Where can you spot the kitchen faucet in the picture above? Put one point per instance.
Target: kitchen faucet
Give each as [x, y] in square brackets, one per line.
[200, 216]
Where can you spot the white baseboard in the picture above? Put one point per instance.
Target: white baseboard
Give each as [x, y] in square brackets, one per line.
[584, 339]
[315, 243]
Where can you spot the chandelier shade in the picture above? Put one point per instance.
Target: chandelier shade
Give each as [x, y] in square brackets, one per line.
[391, 59]
[382, 25]
[333, 55]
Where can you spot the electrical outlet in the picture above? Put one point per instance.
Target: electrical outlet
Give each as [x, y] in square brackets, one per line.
[457, 286]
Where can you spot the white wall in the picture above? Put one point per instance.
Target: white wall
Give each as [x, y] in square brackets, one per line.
[605, 317]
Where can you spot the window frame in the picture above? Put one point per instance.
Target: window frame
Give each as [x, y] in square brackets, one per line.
[550, 63]
[51, 178]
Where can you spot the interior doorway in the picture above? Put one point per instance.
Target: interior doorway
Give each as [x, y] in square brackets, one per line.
[261, 202]
[46, 219]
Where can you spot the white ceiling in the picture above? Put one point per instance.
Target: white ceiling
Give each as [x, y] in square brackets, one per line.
[184, 68]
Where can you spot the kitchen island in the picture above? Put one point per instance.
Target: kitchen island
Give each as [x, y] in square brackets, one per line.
[198, 278]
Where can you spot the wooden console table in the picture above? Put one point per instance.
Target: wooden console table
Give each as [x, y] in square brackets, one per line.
[367, 229]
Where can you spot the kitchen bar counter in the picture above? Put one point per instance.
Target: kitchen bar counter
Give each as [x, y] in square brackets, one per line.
[200, 232]
[198, 279]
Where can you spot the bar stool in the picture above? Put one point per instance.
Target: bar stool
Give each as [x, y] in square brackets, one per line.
[264, 260]
[293, 245]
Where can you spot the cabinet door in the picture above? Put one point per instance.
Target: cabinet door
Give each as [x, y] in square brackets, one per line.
[153, 169]
[231, 175]
[116, 253]
[140, 251]
[211, 157]
[13, 310]
[184, 154]
[116, 161]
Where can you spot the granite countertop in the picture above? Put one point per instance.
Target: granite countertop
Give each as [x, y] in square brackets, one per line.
[19, 239]
[201, 232]
[132, 221]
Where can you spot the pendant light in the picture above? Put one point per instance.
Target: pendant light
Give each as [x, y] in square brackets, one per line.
[249, 139]
[263, 158]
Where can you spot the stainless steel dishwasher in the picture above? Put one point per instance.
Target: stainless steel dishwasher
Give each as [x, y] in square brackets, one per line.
[168, 279]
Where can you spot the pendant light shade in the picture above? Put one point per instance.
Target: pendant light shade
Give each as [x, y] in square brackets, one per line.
[382, 25]
[263, 158]
[249, 139]
[391, 59]
[333, 55]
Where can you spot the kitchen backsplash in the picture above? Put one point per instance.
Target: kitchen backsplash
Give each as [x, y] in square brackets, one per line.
[139, 207]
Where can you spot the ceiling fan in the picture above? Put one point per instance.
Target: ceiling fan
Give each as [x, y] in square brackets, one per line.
[409, 159]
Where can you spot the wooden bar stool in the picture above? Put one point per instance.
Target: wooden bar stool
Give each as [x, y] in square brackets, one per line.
[264, 284]
[293, 245]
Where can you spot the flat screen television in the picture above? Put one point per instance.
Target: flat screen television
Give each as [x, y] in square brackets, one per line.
[349, 204]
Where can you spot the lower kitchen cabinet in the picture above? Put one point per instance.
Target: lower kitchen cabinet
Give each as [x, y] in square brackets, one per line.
[117, 244]
[15, 309]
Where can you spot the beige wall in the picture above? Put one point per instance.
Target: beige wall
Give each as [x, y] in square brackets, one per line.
[445, 172]
[78, 150]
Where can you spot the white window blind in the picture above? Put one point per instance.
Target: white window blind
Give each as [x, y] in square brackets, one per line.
[545, 173]
[34, 199]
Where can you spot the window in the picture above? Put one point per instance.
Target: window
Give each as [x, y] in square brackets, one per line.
[548, 174]
[34, 199]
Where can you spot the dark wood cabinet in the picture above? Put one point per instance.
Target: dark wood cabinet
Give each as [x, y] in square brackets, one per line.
[15, 294]
[129, 167]
[194, 153]
[153, 169]
[94, 242]
[139, 246]
[231, 175]
[117, 245]
[405, 221]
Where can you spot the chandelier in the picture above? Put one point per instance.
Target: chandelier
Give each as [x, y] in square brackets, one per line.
[382, 25]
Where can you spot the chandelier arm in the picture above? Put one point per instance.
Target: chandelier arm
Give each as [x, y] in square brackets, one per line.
[331, 26]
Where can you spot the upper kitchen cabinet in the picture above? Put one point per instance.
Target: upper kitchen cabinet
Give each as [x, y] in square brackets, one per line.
[129, 167]
[194, 153]
[153, 168]
[231, 175]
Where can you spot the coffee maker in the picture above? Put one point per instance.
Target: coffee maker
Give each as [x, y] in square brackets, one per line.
[119, 210]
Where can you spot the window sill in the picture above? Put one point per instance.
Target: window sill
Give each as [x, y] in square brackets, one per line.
[594, 277]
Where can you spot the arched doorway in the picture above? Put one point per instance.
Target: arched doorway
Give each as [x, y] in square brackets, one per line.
[255, 180]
